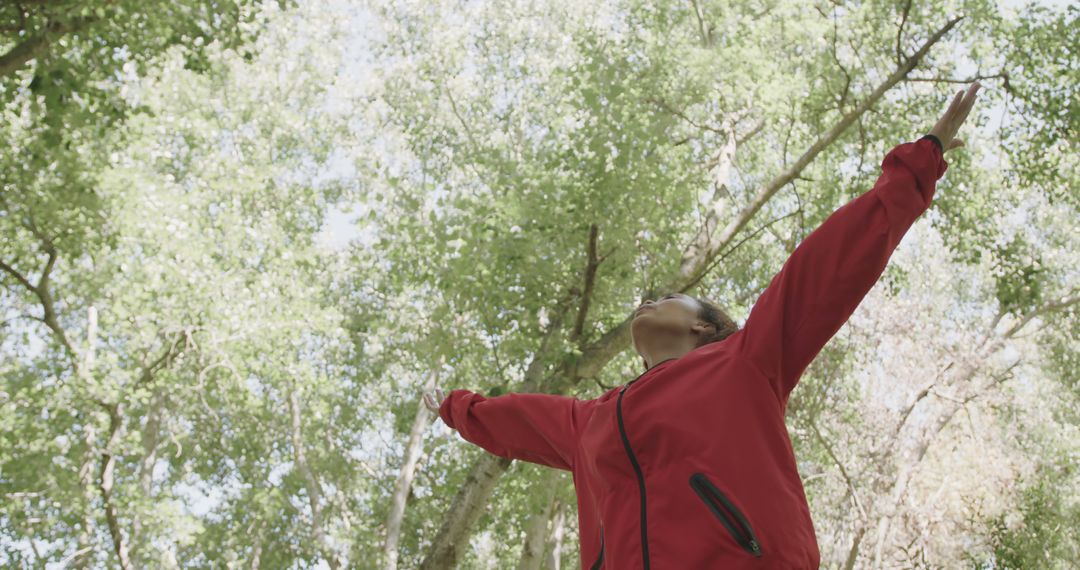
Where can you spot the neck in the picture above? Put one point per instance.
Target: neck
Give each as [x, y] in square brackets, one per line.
[661, 353]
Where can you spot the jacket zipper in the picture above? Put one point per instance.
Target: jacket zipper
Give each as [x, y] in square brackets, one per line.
[599, 559]
[637, 467]
[640, 476]
[703, 487]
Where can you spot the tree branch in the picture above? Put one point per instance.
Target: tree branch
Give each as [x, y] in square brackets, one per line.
[314, 489]
[41, 291]
[35, 46]
[693, 264]
[1061, 303]
[706, 37]
[900, 32]
[18, 277]
[977, 77]
[843, 472]
[105, 484]
[590, 278]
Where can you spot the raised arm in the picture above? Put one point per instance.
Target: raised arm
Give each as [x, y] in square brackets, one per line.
[533, 427]
[830, 272]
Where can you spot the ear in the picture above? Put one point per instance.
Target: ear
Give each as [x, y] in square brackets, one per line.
[702, 327]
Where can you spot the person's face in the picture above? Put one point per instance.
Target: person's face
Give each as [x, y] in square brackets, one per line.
[675, 314]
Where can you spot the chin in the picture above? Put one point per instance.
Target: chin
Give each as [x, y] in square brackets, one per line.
[639, 322]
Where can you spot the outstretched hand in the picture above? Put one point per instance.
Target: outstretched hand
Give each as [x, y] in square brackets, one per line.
[946, 127]
[433, 401]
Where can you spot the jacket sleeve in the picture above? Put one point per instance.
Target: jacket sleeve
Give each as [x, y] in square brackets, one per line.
[534, 427]
[834, 267]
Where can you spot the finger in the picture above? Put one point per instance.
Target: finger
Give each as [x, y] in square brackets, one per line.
[950, 116]
[956, 102]
[970, 94]
[969, 100]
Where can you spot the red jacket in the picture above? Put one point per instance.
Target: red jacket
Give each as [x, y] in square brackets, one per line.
[689, 465]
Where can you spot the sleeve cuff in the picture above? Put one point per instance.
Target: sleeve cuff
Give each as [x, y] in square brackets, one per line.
[446, 410]
[936, 140]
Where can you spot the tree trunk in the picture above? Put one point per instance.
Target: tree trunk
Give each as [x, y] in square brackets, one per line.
[85, 552]
[84, 555]
[853, 553]
[314, 491]
[256, 549]
[405, 477]
[105, 483]
[36, 46]
[467, 506]
[558, 531]
[150, 436]
[536, 530]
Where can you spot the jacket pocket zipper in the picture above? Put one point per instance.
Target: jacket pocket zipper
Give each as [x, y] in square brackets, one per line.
[708, 493]
[599, 559]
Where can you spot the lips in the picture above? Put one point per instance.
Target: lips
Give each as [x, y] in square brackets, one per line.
[644, 307]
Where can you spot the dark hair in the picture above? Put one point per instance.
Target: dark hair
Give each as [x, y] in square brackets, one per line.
[715, 316]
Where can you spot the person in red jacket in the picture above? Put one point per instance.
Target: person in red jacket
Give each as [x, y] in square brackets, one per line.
[689, 465]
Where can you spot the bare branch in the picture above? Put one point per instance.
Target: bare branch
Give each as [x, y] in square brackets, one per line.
[590, 279]
[728, 124]
[1055, 305]
[843, 472]
[918, 397]
[853, 552]
[706, 37]
[151, 369]
[727, 253]
[18, 277]
[835, 55]
[464, 511]
[105, 484]
[977, 77]
[900, 32]
[41, 291]
[692, 265]
[314, 489]
[37, 45]
[25, 51]
[468, 132]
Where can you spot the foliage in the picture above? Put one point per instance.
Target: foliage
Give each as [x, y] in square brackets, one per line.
[175, 310]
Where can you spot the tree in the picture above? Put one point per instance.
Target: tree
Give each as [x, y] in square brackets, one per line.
[191, 377]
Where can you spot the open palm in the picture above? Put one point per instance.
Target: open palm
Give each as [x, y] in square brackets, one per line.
[432, 401]
[946, 127]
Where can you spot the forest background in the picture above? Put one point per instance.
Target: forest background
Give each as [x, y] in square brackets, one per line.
[239, 238]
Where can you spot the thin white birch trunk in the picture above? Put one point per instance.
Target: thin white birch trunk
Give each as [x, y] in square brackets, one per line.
[536, 530]
[399, 501]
